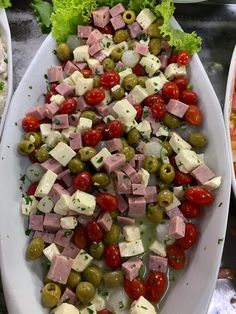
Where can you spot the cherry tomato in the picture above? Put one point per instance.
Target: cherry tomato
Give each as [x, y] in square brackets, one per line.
[48, 96]
[190, 210]
[171, 90]
[156, 284]
[112, 256]
[87, 73]
[68, 106]
[190, 238]
[110, 79]
[80, 239]
[135, 288]
[176, 256]
[30, 124]
[32, 188]
[172, 59]
[53, 87]
[113, 130]
[139, 113]
[139, 70]
[107, 202]
[94, 231]
[182, 178]
[83, 181]
[183, 57]
[152, 99]
[189, 97]
[94, 96]
[101, 126]
[198, 195]
[158, 110]
[193, 115]
[104, 312]
[108, 29]
[92, 137]
[181, 82]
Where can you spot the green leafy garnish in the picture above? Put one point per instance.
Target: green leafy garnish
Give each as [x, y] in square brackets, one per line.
[5, 4]
[43, 11]
[1, 85]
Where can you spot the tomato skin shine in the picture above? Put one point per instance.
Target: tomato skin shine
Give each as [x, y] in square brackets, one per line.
[171, 91]
[156, 284]
[94, 96]
[135, 288]
[94, 232]
[183, 57]
[112, 256]
[80, 239]
[190, 238]
[83, 181]
[107, 202]
[92, 138]
[30, 124]
[198, 195]
[68, 106]
[110, 79]
[176, 256]
[113, 130]
[193, 115]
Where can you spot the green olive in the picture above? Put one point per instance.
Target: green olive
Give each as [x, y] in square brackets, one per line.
[117, 53]
[121, 35]
[101, 179]
[74, 279]
[155, 213]
[96, 250]
[26, 147]
[153, 30]
[76, 166]
[142, 81]
[165, 198]
[197, 140]
[42, 153]
[155, 46]
[96, 81]
[63, 52]
[35, 248]
[131, 44]
[89, 114]
[93, 274]
[168, 148]
[129, 17]
[134, 137]
[86, 153]
[34, 138]
[129, 82]
[85, 292]
[128, 151]
[161, 185]
[124, 142]
[167, 173]
[151, 164]
[171, 121]
[114, 214]
[113, 279]
[112, 236]
[108, 64]
[51, 294]
[118, 94]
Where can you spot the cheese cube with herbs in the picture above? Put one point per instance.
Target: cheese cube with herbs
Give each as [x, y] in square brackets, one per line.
[142, 306]
[144, 176]
[83, 85]
[82, 261]
[158, 248]
[50, 251]
[187, 160]
[75, 76]
[145, 18]
[84, 125]
[65, 308]
[125, 111]
[91, 309]
[177, 143]
[213, 184]
[131, 233]
[45, 205]
[124, 72]
[98, 160]
[151, 64]
[155, 84]
[138, 93]
[45, 129]
[83, 203]
[58, 99]
[145, 129]
[131, 248]
[81, 53]
[29, 205]
[62, 205]
[174, 70]
[62, 153]
[45, 184]
[99, 302]
[68, 222]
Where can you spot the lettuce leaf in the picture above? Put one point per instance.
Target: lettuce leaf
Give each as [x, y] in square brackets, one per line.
[43, 11]
[5, 4]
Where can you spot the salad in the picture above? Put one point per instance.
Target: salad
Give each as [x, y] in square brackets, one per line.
[3, 75]
[118, 172]
[232, 126]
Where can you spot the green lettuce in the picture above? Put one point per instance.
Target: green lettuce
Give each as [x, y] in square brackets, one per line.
[43, 11]
[5, 4]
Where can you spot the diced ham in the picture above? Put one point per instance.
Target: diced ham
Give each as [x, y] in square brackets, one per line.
[147, 115]
[72, 213]
[60, 269]
[202, 173]
[117, 9]
[176, 107]
[166, 47]
[68, 297]
[60, 122]
[134, 29]
[142, 49]
[56, 192]
[71, 190]
[50, 110]
[82, 105]
[51, 222]
[114, 145]
[74, 119]
[55, 74]
[47, 237]
[70, 68]
[80, 65]
[122, 204]
[177, 227]
[53, 165]
[158, 263]
[101, 17]
[155, 127]
[84, 31]
[128, 170]
[94, 37]
[63, 237]
[137, 205]
[102, 109]
[36, 222]
[123, 183]
[164, 61]
[139, 160]
[117, 22]
[37, 112]
[70, 250]
[135, 178]
[75, 141]
[97, 70]
[151, 194]
[126, 220]
[139, 189]
[96, 47]
[105, 221]
[66, 177]
[100, 56]
[131, 268]
[84, 220]
[114, 162]
[175, 212]
[119, 65]
[65, 89]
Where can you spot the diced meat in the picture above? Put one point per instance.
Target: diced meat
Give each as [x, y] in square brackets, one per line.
[102, 109]
[70, 250]
[96, 47]
[101, 17]
[74, 119]
[94, 37]
[114, 145]
[128, 170]
[175, 212]
[55, 74]
[164, 61]
[126, 220]
[139, 189]
[97, 70]
[155, 127]
[100, 56]
[53, 165]
[56, 192]
[105, 221]
[70, 68]
[63, 237]
[71, 190]
[119, 65]
[66, 177]
[135, 178]
[84, 31]
[50, 110]
[151, 194]
[36, 222]
[177, 227]
[47, 237]
[60, 269]
[137, 205]
[84, 220]
[158, 263]
[51, 222]
[75, 141]
[65, 89]
[177, 108]
[37, 112]
[68, 297]
[114, 162]
[131, 268]
[134, 29]
[80, 65]
[142, 49]
[147, 115]
[122, 204]
[117, 22]
[60, 122]
[72, 213]
[82, 105]
[139, 160]
[202, 173]
[117, 9]
[123, 183]
[166, 47]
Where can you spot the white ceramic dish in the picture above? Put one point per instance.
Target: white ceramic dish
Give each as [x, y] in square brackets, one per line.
[22, 280]
[6, 35]
[227, 109]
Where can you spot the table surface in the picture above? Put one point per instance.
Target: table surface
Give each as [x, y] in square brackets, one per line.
[215, 23]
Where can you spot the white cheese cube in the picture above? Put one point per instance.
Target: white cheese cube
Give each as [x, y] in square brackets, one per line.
[177, 143]
[174, 204]
[75, 76]
[155, 84]
[179, 192]
[67, 132]
[107, 41]
[213, 183]
[106, 101]
[201, 158]
[109, 118]
[34, 172]
[144, 175]
[91, 309]
[81, 53]
[131, 248]
[83, 203]
[62, 153]
[131, 233]
[82, 85]
[84, 125]
[162, 131]
[142, 306]
[130, 125]
[158, 248]
[124, 73]
[45, 184]
[68, 222]
[51, 251]
[82, 260]
[110, 188]
[53, 138]
[29, 205]
[108, 51]
[69, 82]
[145, 18]
[151, 64]
[65, 308]
[58, 99]
[98, 160]
[99, 302]
[62, 205]
[138, 93]
[145, 129]
[174, 70]
[162, 231]
[125, 111]
[188, 159]
[92, 63]
[45, 205]
[45, 129]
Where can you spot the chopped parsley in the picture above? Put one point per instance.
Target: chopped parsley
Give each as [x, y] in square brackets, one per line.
[190, 86]
[30, 87]
[1, 85]
[121, 305]
[54, 52]
[28, 200]
[27, 232]
[100, 160]
[45, 76]
[5, 60]
[68, 233]
[220, 240]
[56, 121]
[141, 271]
[90, 311]
[220, 204]
[144, 307]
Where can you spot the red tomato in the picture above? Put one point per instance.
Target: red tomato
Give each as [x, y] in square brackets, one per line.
[48, 96]
[108, 29]
[182, 178]
[92, 137]
[94, 96]
[101, 126]
[110, 79]
[80, 239]
[135, 288]
[183, 57]
[190, 210]
[172, 59]
[189, 97]
[32, 188]
[87, 73]
[83, 181]
[139, 113]
[193, 115]
[158, 110]
[30, 124]
[198, 195]
[190, 238]
[139, 70]
[152, 99]
[94, 231]
[104, 312]
[176, 256]
[156, 284]
[53, 87]
[113, 130]
[107, 202]
[112, 256]
[181, 82]
[171, 90]
[68, 106]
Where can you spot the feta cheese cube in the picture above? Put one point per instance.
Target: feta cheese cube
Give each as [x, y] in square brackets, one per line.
[45, 205]
[65, 308]
[130, 125]
[98, 160]
[162, 131]
[99, 302]
[138, 93]
[109, 118]
[62, 205]
[155, 84]
[67, 132]
[69, 81]
[82, 261]
[124, 73]
[82, 85]
[145, 129]
[92, 63]
[179, 192]
[131, 233]
[174, 70]
[188, 159]
[91, 309]
[58, 99]
[165, 160]
[81, 53]
[162, 231]
[151, 64]
[53, 138]
[142, 306]
[174, 204]
[144, 175]
[45, 129]
[106, 101]
[84, 125]
[62, 153]
[75, 76]
[177, 143]
[125, 111]
[213, 184]
[45, 184]
[107, 41]
[158, 248]
[83, 203]
[145, 18]
[68, 222]
[108, 51]
[29, 205]
[132, 248]
[51, 251]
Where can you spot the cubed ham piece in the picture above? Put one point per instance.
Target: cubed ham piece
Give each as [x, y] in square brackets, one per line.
[139, 160]
[81, 65]
[97, 70]
[176, 107]
[82, 105]
[122, 204]
[70, 68]
[175, 212]
[166, 47]
[139, 189]
[117, 22]
[65, 89]
[50, 110]
[105, 221]
[55, 74]
[56, 192]
[134, 29]
[137, 205]
[68, 297]
[84, 31]
[63, 237]
[94, 37]
[47, 237]
[76, 141]
[131, 268]
[71, 190]
[53, 165]
[51, 222]
[72, 213]
[151, 194]
[114, 162]
[74, 119]
[202, 173]
[95, 48]
[36, 222]
[142, 49]
[155, 127]
[101, 17]
[126, 220]
[140, 147]
[70, 250]
[119, 65]
[66, 177]
[164, 61]
[123, 183]
[114, 145]
[177, 227]
[147, 115]
[37, 112]
[84, 220]
[100, 56]
[102, 109]
[60, 269]
[128, 170]
[117, 9]
[158, 263]
[60, 122]
[135, 178]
